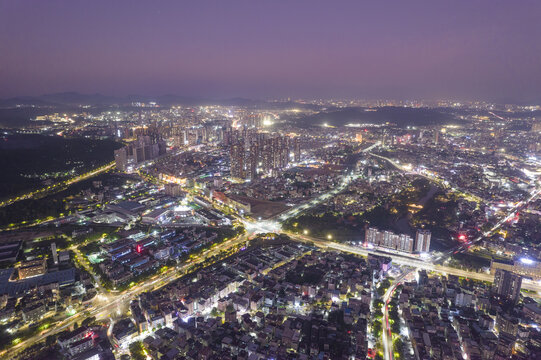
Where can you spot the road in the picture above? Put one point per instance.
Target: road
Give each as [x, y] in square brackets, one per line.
[83, 261]
[272, 225]
[387, 335]
[346, 180]
[429, 266]
[404, 260]
[430, 178]
[57, 186]
[510, 214]
[106, 304]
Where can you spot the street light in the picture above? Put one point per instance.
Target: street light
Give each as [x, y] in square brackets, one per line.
[305, 232]
[329, 236]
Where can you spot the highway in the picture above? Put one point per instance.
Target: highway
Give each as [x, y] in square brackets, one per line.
[105, 303]
[271, 225]
[435, 265]
[510, 214]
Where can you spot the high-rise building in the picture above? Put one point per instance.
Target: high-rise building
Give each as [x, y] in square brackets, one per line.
[406, 243]
[297, 150]
[422, 241]
[256, 154]
[422, 277]
[507, 285]
[370, 237]
[389, 240]
[55, 254]
[237, 160]
[253, 160]
[143, 149]
[121, 158]
[284, 156]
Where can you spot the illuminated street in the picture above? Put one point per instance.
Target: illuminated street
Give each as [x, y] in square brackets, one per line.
[270, 180]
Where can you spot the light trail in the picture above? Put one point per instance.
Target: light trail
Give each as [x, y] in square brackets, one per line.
[387, 333]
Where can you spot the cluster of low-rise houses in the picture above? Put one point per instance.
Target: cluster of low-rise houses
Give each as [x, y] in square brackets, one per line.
[452, 318]
[273, 302]
[296, 184]
[365, 193]
[284, 300]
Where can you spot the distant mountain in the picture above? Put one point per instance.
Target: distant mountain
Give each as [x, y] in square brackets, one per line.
[22, 100]
[400, 116]
[69, 101]
[196, 101]
[65, 98]
[74, 98]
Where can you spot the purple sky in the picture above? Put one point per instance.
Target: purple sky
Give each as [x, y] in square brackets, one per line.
[465, 49]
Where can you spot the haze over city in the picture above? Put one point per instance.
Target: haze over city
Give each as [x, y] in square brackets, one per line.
[270, 180]
[485, 50]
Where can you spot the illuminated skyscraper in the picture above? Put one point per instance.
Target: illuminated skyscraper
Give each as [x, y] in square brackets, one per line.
[237, 160]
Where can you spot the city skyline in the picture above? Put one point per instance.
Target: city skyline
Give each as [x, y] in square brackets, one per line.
[284, 180]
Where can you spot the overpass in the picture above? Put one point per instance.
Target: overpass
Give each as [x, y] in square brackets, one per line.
[408, 261]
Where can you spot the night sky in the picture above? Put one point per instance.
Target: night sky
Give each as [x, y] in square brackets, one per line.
[462, 49]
